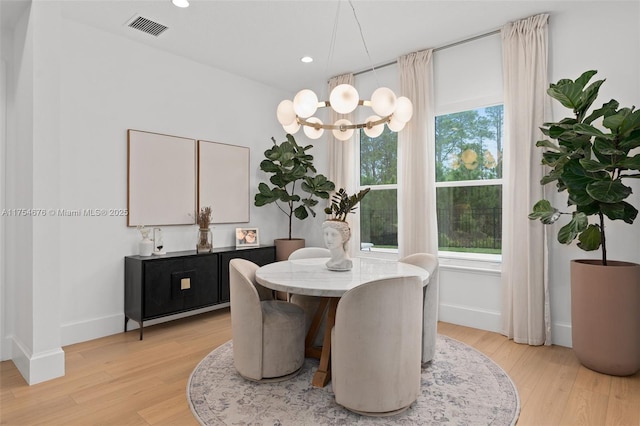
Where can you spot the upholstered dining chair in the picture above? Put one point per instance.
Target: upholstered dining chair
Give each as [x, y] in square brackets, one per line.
[375, 350]
[428, 262]
[310, 303]
[268, 335]
[310, 252]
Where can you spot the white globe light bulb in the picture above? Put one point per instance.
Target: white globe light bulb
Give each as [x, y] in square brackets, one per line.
[312, 132]
[383, 101]
[344, 98]
[292, 128]
[285, 113]
[374, 131]
[305, 103]
[395, 125]
[342, 134]
[404, 109]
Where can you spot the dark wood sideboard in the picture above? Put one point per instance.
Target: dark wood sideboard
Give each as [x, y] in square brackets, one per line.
[159, 286]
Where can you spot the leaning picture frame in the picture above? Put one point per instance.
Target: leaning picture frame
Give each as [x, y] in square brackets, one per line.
[247, 237]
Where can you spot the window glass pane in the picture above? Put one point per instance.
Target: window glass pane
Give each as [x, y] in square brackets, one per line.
[469, 145]
[379, 219]
[379, 159]
[470, 218]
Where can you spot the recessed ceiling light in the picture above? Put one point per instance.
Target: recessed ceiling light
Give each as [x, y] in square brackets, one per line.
[306, 59]
[180, 3]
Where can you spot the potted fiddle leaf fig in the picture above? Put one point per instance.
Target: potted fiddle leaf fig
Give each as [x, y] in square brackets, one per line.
[593, 163]
[295, 187]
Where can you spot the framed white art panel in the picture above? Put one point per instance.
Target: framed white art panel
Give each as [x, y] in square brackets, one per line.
[161, 179]
[223, 181]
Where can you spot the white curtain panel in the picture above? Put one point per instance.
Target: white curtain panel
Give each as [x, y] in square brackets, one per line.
[417, 227]
[341, 153]
[525, 307]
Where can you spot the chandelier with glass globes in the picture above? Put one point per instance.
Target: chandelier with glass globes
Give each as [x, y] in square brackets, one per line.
[388, 109]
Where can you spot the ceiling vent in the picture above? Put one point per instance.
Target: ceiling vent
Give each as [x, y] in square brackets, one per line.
[146, 26]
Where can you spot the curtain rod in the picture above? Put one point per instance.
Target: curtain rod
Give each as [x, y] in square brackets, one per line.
[437, 49]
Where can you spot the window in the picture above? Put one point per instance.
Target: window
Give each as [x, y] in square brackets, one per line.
[469, 180]
[379, 209]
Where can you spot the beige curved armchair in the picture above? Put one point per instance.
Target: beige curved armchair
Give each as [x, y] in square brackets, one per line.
[310, 303]
[375, 358]
[268, 335]
[428, 262]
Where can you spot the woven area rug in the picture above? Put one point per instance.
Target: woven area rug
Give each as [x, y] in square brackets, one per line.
[460, 386]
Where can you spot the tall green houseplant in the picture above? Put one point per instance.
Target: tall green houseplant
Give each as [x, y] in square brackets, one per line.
[292, 169]
[590, 164]
[594, 165]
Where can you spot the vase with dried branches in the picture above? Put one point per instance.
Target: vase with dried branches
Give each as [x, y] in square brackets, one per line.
[205, 236]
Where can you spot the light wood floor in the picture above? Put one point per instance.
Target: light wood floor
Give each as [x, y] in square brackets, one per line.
[119, 380]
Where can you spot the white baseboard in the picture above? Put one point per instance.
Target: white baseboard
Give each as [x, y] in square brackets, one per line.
[470, 316]
[39, 367]
[90, 329]
[561, 334]
[95, 328]
[487, 320]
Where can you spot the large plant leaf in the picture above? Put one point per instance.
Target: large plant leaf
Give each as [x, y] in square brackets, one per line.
[579, 197]
[552, 176]
[576, 179]
[569, 93]
[554, 159]
[606, 147]
[608, 191]
[632, 163]
[614, 121]
[590, 238]
[589, 209]
[265, 195]
[585, 129]
[548, 144]
[606, 110]
[544, 211]
[318, 185]
[268, 166]
[619, 211]
[301, 212]
[588, 96]
[630, 123]
[630, 141]
[570, 231]
[594, 166]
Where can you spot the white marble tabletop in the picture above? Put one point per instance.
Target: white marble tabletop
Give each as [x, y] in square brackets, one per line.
[311, 276]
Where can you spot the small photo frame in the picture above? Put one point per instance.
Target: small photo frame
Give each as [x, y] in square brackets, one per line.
[247, 237]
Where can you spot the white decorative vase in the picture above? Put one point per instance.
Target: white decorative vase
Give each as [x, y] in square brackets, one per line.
[336, 237]
[145, 247]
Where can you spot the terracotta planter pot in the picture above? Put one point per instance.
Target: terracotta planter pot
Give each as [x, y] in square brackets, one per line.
[605, 315]
[285, 247]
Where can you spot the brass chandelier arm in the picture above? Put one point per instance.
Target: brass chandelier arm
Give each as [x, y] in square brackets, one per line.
[361, 102]
[343, 127]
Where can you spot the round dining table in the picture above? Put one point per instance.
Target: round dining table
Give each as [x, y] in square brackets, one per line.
[312, 278]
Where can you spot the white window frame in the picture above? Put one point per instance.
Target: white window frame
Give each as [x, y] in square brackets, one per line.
[357, 251]
[472, 104]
